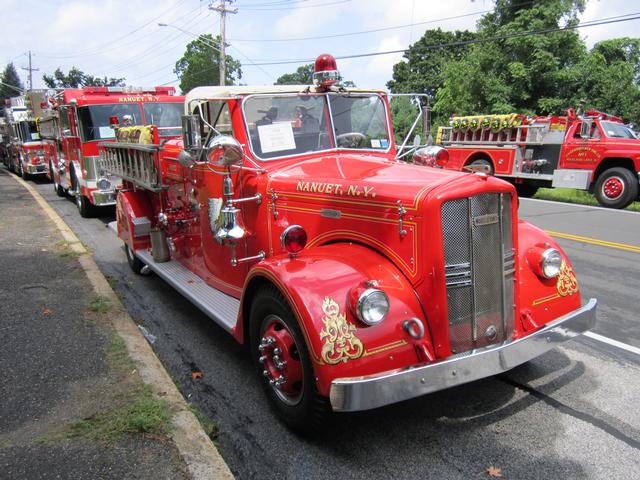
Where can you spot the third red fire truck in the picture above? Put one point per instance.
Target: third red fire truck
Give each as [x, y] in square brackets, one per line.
[82, 118]
[594, 151]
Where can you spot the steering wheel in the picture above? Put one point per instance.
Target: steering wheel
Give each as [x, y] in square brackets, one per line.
[350, 139]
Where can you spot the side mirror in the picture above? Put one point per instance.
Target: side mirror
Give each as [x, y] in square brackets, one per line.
[224, 151]
[191, 132]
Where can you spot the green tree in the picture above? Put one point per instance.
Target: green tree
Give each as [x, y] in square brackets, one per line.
[76, 78]
[200, 64]
[11, 85]
[302, 76]
[421, 71]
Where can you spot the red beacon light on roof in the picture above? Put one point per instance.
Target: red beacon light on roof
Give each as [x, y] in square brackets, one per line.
[325, 73]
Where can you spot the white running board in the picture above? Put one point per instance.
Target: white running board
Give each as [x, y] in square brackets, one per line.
[221, 308]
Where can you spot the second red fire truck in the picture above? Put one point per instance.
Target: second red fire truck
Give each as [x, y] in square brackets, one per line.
[356, 280]
[82, 118]
[593, 151]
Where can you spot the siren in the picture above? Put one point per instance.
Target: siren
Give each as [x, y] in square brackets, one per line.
[325, 73]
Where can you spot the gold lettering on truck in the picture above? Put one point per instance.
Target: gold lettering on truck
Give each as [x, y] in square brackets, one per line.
[336, 189]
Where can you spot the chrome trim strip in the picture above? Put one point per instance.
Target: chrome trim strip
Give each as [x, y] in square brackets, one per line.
[365, 393]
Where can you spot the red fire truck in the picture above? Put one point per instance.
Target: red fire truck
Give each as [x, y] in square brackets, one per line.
[84, 117]
[356, 279]
[25, 154]
[594, 151]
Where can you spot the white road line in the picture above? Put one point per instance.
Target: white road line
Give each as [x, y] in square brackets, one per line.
[612, 210]
[611, 341]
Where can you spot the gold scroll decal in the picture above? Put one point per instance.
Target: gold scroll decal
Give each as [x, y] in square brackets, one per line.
[567, 283]
[340, 341]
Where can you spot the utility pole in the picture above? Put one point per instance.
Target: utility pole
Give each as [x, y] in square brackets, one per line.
[222, 10]
[31, 70]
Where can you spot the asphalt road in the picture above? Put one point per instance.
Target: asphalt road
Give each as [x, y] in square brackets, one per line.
[572, 413]
[610, 273]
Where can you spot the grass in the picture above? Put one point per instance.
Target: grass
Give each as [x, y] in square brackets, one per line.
[98, 304]
[71, 254]
[207, 425]
[142, 413]
[570, 195]
[118, 357]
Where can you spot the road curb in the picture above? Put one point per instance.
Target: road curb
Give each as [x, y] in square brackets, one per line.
[200, 455]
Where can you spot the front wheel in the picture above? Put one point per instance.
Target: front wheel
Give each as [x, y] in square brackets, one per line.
[134, 262]
[85, 208]
[21, 170]
[616, 188]
[282, 362]
[56, 186]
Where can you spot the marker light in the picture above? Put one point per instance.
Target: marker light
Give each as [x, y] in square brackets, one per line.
[293, 239]
[113, 121]
[326, 73]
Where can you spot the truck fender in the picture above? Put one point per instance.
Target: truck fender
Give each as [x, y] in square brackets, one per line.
[317, 283]
[543, 300]
[132, 208]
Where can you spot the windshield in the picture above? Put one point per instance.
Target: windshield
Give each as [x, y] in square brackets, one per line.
[617, 130]
[29, 131]
[282, 125]
[94, 119]
[166, 116]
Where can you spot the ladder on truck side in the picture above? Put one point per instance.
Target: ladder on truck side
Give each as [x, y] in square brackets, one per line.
[522, 135]
[138, 163]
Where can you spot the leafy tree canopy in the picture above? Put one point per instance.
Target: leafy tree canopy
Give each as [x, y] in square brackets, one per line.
[200, 64]
[11, 85]
[503, 67]
[76, 78]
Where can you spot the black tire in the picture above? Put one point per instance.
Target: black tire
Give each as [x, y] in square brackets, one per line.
[56, 186]
[21, 170]
[616, 187]
[85, 208]
[484, 162]
[134, 262]
[525, 190]
[303, 410]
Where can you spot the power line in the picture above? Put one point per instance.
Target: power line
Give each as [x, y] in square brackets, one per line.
[260, 9]
[362, 32]
[92, 52]
[546, 31]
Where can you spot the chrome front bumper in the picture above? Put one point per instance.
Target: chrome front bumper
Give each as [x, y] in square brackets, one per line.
[103, 199]
[36, 169]
[364, 393]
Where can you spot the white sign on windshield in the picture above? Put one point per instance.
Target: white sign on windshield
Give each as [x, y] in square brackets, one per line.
[276, 137]
[107, 132]
[35, 136]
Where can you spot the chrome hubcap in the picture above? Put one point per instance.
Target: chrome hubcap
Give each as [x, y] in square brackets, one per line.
[613, 187]
[280, 359]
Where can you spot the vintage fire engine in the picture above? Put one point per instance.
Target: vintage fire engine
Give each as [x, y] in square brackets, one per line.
[82, 118]
[356, 279]
[25, 154]
[594, 151]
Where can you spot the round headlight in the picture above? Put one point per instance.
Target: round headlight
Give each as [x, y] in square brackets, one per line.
[373, 306]
[551, 263]
[103, 184]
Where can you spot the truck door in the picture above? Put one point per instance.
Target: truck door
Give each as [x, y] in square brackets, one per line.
[206, 189]
[581, 149]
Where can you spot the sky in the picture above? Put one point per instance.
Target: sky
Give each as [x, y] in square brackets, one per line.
[121, 38]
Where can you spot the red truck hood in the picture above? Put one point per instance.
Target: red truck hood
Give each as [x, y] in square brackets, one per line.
[360, 177]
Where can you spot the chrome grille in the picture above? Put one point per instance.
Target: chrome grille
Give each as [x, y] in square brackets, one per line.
[479, 270]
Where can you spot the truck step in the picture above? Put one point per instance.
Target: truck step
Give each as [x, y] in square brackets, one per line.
[221, 308]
